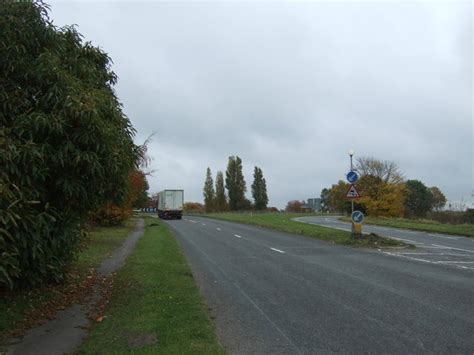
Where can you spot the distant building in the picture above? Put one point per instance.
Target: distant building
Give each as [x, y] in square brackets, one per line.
[313, 205]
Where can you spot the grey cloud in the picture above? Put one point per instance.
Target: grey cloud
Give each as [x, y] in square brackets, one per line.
[290, 87]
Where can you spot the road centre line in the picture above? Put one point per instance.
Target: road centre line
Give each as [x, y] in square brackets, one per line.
[203, 224]
[455, 262]
[237, 236]
[218, 229]
[278, 250]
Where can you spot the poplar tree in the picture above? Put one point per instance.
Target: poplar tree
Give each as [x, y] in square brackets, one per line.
[259, 189]
[208, 191]
[235, 183]
[221, 199]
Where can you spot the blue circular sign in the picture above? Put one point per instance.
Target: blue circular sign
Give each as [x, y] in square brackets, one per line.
[357, 217]
[352, 177]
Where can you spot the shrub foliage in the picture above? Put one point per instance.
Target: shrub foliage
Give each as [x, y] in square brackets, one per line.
[66, 148]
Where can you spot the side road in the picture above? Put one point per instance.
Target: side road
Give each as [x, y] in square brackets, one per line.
[65, 333]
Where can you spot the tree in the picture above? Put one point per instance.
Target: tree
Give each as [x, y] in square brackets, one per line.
[193, 207]
[386, 170]
[235, 183]
[438, 198]
[337, 200]
[324, 200]
[418, 199]
[259, 189]
[221, 199]
[208, 192]
[66, 148]
[380, 198]
[294, 206]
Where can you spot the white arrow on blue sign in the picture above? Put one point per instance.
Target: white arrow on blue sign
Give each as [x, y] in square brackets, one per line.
[357, 217]
[352, 177]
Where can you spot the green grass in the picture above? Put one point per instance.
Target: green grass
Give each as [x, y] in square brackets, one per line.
[17, 307]
[155, 301]
[421, 225]
[283, 222]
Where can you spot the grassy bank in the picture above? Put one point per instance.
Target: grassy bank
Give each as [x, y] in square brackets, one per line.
[155, 306]
[21, 310]
[283, 222]
[421, 225]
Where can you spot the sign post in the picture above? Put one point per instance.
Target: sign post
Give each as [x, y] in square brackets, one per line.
[356, 216]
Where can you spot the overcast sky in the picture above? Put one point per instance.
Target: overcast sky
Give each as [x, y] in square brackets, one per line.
[291, 87]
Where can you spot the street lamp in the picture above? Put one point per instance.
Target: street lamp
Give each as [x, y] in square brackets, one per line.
[351, 153]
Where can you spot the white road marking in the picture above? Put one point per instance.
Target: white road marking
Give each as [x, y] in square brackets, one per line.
[218, 229]
[450, 254]
[278, 250]
[442, 236]
[192, 221]
[428, 261]
[237, 236]
[443, 247]
[456, 262]
[203, 224]
[405, 240]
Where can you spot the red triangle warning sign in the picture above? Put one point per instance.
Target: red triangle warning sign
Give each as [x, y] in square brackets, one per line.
[352, 192]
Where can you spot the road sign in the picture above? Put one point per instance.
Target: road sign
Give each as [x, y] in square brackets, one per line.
[352, 177]
[357, 217]
[352, 193]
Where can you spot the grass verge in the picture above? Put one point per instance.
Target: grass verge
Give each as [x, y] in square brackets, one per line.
[421, 225]
[155, 306]
[283, 222]
[21, 310]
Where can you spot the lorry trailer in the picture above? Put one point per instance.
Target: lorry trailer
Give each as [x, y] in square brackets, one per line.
[170, 204]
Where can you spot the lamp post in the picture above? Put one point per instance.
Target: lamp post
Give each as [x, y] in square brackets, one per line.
[351, 153]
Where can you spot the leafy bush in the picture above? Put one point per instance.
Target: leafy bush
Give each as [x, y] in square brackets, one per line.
[66, 148]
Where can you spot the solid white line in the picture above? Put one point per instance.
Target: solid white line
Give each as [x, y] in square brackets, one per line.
[278, 250]
[441, 236]
[442, 246]
[405, 240]
[456, 262]
[429, 261]
[237, 236]
[450, 254]
[218, 229]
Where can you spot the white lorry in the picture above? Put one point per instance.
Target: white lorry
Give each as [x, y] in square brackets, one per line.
[170, 204]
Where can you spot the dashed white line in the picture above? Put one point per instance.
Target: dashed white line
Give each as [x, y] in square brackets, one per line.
[237, 236]
[218, 229]
[203, 224]
[278, 250]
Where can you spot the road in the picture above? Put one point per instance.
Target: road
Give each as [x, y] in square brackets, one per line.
[455, 251]
[274, 293]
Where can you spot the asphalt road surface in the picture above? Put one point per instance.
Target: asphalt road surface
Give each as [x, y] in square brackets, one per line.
[276, 293]
[434, 248]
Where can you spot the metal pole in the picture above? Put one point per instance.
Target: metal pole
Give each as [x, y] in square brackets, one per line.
[352, 206]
